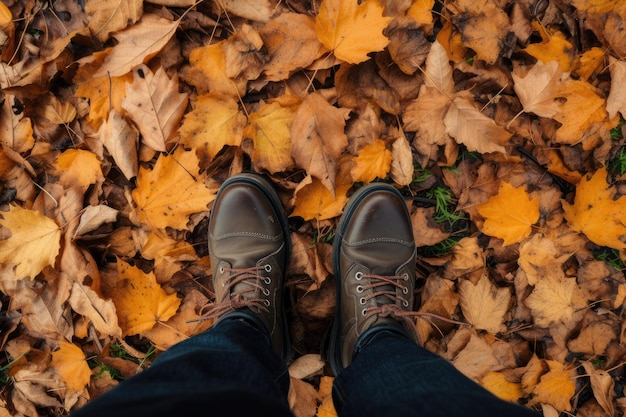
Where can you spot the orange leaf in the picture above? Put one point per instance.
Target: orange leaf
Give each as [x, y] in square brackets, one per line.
[556, 387]
[140, 301]
[340, 27]
[498, 385]
[510, 214]
[597, 213]
[554, 47]
[34, 243]
[168, 194]
[373, 161]
[69, 361]
[77, 167]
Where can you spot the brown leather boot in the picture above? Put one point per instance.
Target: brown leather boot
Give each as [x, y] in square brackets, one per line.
[249, 249]
[374, 268]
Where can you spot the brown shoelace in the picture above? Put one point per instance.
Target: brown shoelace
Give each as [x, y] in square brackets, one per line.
[380, 286]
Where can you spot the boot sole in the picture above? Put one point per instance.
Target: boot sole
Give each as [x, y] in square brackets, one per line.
[257, 181]
[334, 351]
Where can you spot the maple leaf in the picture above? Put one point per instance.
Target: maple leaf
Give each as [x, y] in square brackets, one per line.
[16, 131]
[373, 161]
[34, 243]
[484, 305]
[318, 138]
[467, 125]
[510, 214]
[556, 387]
[539, 89]
[339, 26]
[140, 301]
[71, 365]
[155, 105]
[214, 122]
[269, 129]
[137, 44]
[616, 101]
[596, 213]
[166, 195]
[553, 48]
[77, 167]
[553, 299]
[120, 139]
[106, 17]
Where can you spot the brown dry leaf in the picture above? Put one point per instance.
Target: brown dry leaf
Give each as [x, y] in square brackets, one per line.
[484, 305]
[256, 10]
[596, 213]
[92, 217]
[402, 168]
[536, 254]
[214, 122]
[71, 365]
[310, 259]
[339, 26]
[269, 129]
[16, 131]
[155, 105]
[498, 385]
[302, 398]
[291, 44]
[373, 161]
[306, 366]
[590, 63]
[477, 358]
[120, 138]
[137, 44]
[467, 125]
[78, 168]
[318, 138]
[34, 243]
[602, 385]
[106, 17]
[426, 230]
[554, 299]
[467, 258]
[208, 72]
[441, 299]
[556, 387]
[593, 339]
[139, 300]
[169, 193]
[510, 214]
[100, 312]
[438, 73]
[539, 89]
[616, 101]
[58, 112]
[32, 388]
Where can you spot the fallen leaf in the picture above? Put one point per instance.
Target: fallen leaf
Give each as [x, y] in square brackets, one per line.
[169, 193]
[302, 398]
[120, 138]
[256, 10]
[373, 161]
[208, 72]
[306, 366]
[616, 101]
[93, 217]
[553, 300]
[484, 305]
[137, 44]
[553, 48]
[58, 112]
[318, 138]
[602, 385]
[497, 384]
[476, 359]
[34, 243]
[339, 26]
[70, 363]
[106, 17]
[556, 387]
[596, 213]
[155, 105]
[539, 89]
[324, 395]
[421, 12]
[99, 311]
[16, 131]
[402, 168]
[140, 301]
[78, 168]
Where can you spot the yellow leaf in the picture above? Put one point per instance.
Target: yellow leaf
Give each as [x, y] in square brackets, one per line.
[590, 62]
[106, 16]
[484, 305]
[498, 385]
[324, 394]
[208, 72]
[556, 387]
[137, 45]
[554, 47]
[169, 193]
[34, 243]
[77, 167]
[214, 122]
[510, 214]
[155, 105]
[596, 213]
[269, 130]
[140, 301]
[340, 27]
[553, 299]
[373, 161]
[69, 361]
[421, 11]
[57, 112]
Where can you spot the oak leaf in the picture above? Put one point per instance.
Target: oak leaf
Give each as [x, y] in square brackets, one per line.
[71, 365]
[467, 125]
[510, 214]
[137, 44]
[318, 138]
[556, 387]
[155, 105]
[269, 129]
[169, 193]
[120, 139]
[140, 301]
[339, 26]
[34, 243]
[106, 17]
[214, 122]
[539, 89]
[616, 101]
[597, 213]
[373, 161]
[484, 305]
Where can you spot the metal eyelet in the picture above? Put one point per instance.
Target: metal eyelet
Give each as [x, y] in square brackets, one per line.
[221, 269]
[405, 303]
[268, 268]
[405, 290]
[359, 289]
[267, 280]
[362, 300]
[266, 302]
[405, 276]
[364, 311]
[358, 276]
[266, 292]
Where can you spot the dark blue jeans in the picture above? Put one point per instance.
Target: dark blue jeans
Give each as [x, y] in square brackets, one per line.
[231, 370]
